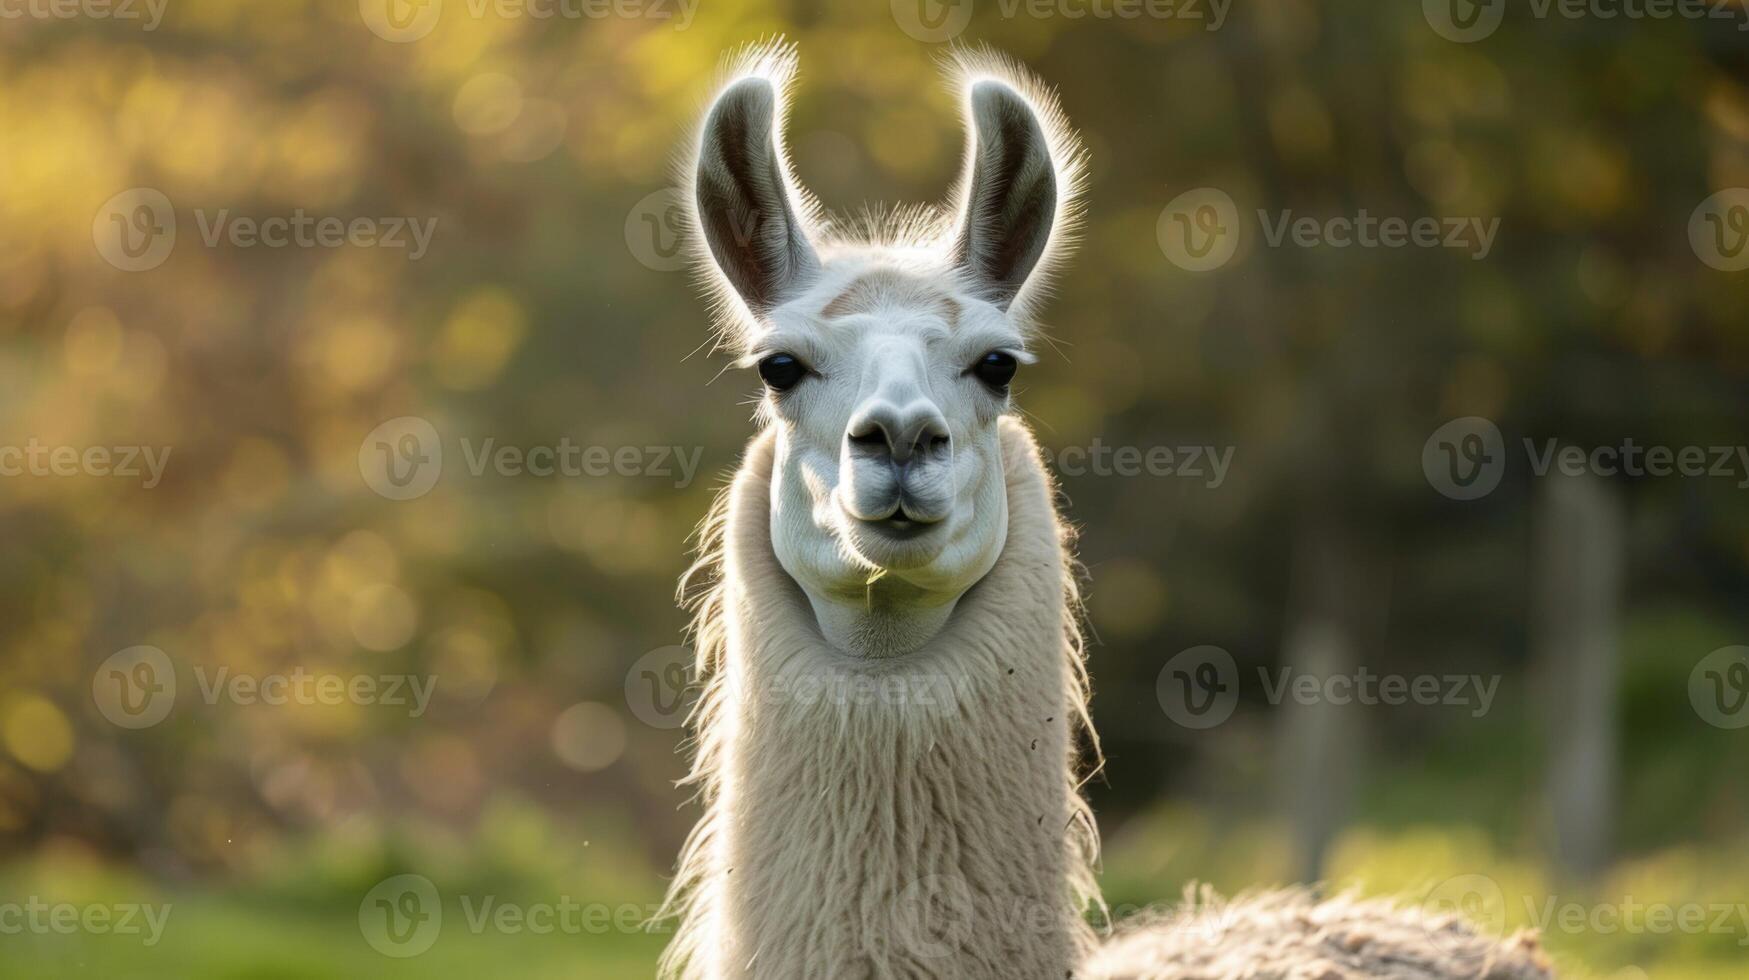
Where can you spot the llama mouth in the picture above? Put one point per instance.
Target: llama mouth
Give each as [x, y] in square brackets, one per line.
[901, 526]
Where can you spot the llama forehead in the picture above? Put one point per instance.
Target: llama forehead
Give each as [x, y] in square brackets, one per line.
[861, 303]
[893, 291]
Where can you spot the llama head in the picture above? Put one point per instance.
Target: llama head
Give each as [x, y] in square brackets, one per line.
[887, 354]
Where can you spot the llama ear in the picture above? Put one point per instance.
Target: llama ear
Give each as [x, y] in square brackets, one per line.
[1010, 193]
[745, 207]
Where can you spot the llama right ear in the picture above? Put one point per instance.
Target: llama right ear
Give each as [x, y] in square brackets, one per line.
[745, 208]
[1010, 193]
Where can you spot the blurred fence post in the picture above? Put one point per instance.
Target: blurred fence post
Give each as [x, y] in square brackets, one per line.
[1338, 600]
[1576, 622]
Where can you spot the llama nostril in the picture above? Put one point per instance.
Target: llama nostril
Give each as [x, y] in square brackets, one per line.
[898, 438]
[870, 440]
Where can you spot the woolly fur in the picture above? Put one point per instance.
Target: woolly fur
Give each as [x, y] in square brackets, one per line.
[921, 816]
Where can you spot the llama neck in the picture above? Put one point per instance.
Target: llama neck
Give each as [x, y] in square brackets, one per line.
[889, 622]
[913, 816]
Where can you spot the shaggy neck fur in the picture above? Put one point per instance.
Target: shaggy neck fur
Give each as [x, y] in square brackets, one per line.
[907, 817]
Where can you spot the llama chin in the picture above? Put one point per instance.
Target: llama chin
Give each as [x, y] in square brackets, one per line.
[894, 720]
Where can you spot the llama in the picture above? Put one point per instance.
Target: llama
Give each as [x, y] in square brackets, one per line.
[894, 702]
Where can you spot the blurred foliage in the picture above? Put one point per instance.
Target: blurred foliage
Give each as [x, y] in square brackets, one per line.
[531, 320]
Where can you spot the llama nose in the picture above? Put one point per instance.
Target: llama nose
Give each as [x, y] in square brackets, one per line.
[916, 431]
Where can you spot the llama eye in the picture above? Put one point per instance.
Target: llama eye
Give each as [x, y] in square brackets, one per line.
[781, 372]
[996, 369]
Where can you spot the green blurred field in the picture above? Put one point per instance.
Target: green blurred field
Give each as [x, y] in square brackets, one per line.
[302, 922]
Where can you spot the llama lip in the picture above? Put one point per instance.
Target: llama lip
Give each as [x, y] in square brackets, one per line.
[901, 526]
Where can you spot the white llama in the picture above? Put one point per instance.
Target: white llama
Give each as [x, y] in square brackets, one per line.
[894, 705]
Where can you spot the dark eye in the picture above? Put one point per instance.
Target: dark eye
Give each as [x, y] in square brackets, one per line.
[996, 369]
[781, 372]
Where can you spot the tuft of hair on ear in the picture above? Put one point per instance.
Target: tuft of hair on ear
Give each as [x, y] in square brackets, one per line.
[969, 72]
[774, 61]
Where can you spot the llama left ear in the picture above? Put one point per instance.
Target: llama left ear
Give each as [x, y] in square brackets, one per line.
[745, 210]
[1011, 193]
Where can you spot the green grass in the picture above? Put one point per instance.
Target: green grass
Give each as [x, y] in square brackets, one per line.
[209, 938]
